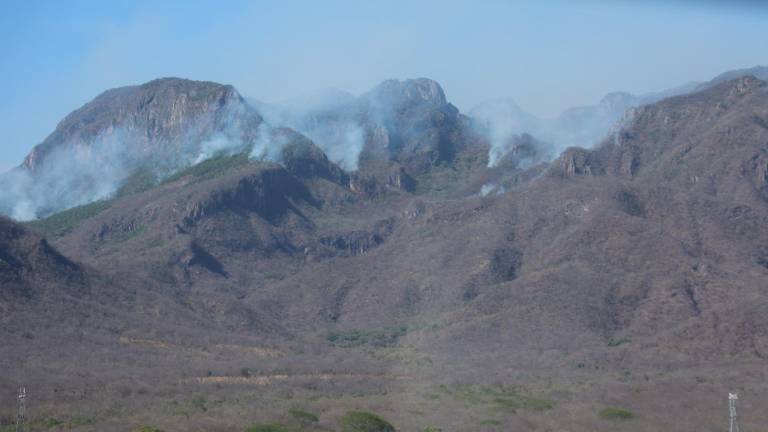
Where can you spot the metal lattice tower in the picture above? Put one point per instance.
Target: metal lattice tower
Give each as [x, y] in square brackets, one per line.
[732, 398]
[22, 408]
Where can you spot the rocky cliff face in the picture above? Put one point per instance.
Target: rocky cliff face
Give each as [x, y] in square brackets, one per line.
[410, 122]
[165, 119]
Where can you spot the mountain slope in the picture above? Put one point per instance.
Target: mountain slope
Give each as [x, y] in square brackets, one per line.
[600, 280]
[30, 268]
[659, 170]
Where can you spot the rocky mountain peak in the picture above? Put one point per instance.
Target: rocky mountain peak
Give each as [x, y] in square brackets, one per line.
[618, 100]
[747, 84]
[759, 72]
[162, 125]
[144, 117]
[410, 92]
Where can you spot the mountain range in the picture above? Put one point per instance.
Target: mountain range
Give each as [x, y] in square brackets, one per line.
[220, 262]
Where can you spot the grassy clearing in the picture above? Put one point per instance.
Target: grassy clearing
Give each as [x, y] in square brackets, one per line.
[141, 180]
[501, 399]
[382, 337]
[616, 414]
[59, 224]
[211, 168]
[490, 422]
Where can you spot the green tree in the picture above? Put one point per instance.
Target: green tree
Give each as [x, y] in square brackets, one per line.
[303, 417]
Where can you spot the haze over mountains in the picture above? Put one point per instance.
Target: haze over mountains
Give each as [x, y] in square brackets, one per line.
[234, 261]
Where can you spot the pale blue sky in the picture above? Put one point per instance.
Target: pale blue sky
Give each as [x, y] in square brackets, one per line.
[547, 55]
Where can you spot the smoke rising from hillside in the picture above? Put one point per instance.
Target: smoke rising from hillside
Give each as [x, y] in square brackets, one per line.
[342, 142]
[395, 117]
[82, 170]
[68, 177]
[342, 139]
[267, 145]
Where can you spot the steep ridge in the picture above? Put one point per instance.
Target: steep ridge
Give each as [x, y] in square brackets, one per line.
[686, 175]
[759, 72]
[30, 268]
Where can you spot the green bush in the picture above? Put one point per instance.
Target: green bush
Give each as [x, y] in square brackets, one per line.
[614, 342]
[500, 398]
[52, 422]
[304, 417]
[267, 427]
[616, 414]
[359, 421]
[200, 403]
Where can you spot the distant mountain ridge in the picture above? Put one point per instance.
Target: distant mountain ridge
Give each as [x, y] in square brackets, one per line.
[587, 126]
[395, 133]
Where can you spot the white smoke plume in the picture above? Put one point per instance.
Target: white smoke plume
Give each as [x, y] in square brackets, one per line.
[342, 143]
[89, 168]
[341, 139]
[66, 178]
[268, 145]
[500, 120]
[218, 145]
[488, 188]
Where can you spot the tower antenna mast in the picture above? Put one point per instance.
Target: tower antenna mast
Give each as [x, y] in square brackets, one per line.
[22, 408]
[732, 398]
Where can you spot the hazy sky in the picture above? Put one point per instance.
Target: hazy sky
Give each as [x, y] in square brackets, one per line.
[547, 55]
